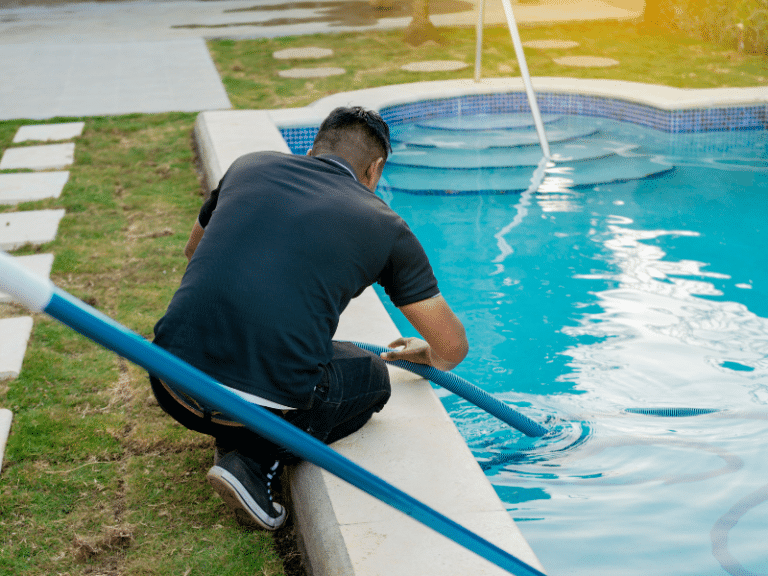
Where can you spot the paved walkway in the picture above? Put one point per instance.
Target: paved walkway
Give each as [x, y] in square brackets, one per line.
[108, 58]
[106, 79]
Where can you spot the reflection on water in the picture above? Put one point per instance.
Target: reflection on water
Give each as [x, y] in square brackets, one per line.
[672, 342]
[583, 302]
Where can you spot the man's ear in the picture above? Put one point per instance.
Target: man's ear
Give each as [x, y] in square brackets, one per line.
[309, 152]
[373, 173]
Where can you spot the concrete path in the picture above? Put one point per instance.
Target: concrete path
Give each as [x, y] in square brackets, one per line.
[105, 79]
[112, 58]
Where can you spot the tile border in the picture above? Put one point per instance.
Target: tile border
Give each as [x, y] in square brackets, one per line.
[707, 115]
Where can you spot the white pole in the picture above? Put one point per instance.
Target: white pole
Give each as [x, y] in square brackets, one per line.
[479, 36]
[27, 288]
[512, 24]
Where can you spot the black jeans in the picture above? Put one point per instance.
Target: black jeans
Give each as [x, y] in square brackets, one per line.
[354, 386]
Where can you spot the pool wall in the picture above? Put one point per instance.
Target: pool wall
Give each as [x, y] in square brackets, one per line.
[671, 110]
[412, 443]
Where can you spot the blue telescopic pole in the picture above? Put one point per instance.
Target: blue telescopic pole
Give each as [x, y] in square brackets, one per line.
[41, 295]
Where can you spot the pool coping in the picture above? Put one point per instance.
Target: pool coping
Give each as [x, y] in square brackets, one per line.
[662, 98]
[412, 443]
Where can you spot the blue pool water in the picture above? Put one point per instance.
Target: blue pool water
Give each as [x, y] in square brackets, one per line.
[631, 281]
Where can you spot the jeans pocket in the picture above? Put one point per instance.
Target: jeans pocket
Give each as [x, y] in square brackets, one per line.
[325, 405]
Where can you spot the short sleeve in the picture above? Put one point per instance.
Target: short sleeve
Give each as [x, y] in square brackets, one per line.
[408, 276]
[208, 207]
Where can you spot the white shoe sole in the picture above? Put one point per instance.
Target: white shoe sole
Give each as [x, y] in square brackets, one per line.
[247, 511]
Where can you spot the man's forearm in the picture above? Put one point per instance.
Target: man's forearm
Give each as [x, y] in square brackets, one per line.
[194, 239]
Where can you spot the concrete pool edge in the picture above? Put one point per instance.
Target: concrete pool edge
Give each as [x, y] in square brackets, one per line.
[663, 98]
[412, 443]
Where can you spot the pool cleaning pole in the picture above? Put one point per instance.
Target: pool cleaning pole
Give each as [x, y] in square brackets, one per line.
[518, 44]
[479, 40]
[41, 295]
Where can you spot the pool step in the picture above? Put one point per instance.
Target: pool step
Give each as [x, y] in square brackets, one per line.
[412, 135]
[452, 158]
[431, 180]
[497, 153]
[482, 122]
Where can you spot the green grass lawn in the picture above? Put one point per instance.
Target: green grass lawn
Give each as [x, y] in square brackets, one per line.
[250, 73]
[96, 479]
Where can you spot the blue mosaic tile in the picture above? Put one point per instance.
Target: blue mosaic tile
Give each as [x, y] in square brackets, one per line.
[299, 140]
[675, 121]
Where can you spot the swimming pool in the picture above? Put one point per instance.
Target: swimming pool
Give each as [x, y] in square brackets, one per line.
[594, 294]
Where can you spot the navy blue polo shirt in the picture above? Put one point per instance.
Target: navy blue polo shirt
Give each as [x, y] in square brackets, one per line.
[289, 241]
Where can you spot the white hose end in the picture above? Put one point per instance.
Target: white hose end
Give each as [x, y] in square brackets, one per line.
[25, 287]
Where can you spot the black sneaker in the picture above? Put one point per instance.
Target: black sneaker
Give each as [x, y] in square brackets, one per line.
[220, 450]
[247, 489]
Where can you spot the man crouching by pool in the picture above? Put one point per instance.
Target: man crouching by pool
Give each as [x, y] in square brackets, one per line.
[278, 251]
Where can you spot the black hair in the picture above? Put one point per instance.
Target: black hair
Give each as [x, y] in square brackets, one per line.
[369, 121]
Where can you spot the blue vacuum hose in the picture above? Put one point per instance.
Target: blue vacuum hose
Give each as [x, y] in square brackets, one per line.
[470, 392]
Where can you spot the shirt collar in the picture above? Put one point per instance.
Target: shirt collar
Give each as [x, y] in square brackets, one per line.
[340, 162]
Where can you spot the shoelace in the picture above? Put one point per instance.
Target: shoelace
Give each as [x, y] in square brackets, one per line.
[270, 475]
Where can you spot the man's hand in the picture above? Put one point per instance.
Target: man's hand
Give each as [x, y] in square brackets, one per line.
[412, 349]
[417, 351]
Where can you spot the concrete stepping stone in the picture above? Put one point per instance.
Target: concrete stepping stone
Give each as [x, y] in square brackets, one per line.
[38, 264]
[586, 61]
[31, 186]
[550, 44]
[435, 66]
[49, 132]
[311, 72]
[43, 157]
[14, 335]
[5, 429]
[30, 227]
[308, 53]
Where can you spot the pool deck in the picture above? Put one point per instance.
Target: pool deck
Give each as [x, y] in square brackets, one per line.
[412, 443]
